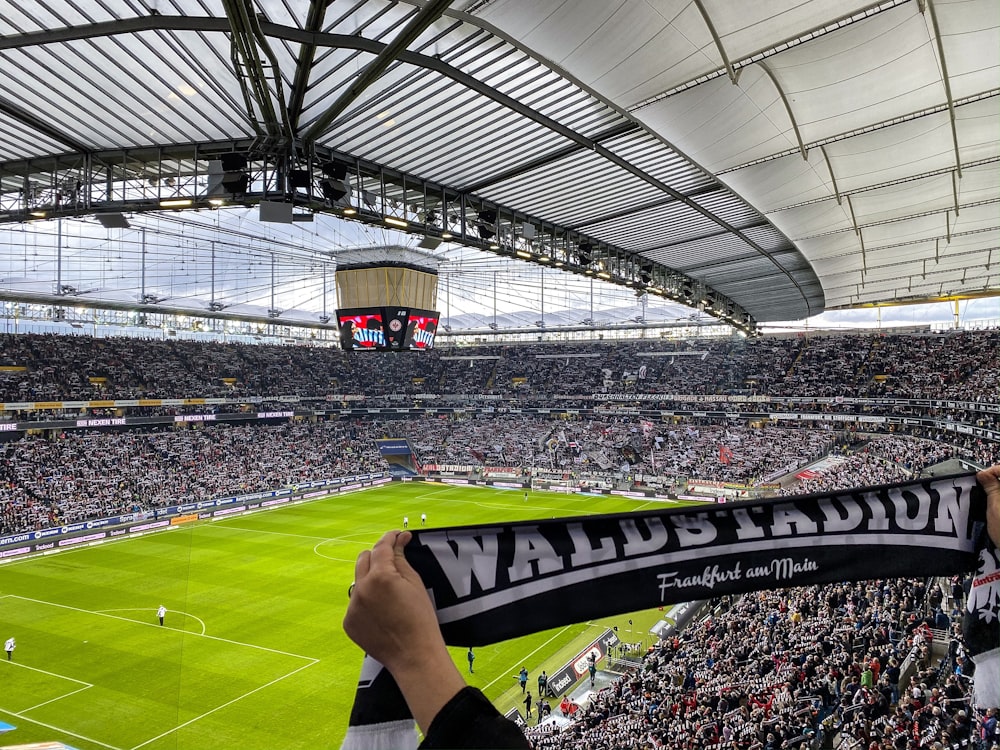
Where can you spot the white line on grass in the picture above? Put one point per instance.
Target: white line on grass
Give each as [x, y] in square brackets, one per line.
[324, 539]
[59, 698]
[224, 705]
[531, 506]
[54, 728]
[148, 609]
[50, 674]
[327, 557]
[262, 531]
[433, 495]
[311, 659]
[531, 654]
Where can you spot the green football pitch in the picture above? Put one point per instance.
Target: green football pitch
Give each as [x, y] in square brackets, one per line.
[252, 654]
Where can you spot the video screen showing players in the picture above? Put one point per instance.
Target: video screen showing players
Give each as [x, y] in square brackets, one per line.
[420, 329]
[387, 329]
[361, 330]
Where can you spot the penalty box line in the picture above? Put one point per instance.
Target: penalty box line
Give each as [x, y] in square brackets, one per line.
[86, 686]
[312, 661]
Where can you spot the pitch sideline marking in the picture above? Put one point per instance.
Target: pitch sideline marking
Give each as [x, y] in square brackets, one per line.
[86, 685]
[524, 659]
[51, 674]
[224, 705]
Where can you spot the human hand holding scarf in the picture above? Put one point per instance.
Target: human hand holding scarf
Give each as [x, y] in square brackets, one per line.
[391, 617]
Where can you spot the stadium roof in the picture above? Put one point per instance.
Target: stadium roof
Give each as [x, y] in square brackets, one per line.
[788, 156]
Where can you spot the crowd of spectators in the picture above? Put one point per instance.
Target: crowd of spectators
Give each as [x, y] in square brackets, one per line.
[87, 474]
[56, 479]
[955, 365]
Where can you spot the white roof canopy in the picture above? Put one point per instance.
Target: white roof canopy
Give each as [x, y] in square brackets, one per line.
[793, 156]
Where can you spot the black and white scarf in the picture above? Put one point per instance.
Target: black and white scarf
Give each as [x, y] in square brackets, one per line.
[494, 582]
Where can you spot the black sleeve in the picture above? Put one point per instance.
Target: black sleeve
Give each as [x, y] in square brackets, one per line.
[470, 721]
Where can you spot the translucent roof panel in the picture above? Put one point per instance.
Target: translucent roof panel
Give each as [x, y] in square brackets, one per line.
[771, 150]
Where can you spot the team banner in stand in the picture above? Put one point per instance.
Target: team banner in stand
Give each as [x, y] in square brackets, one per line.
[491, 583]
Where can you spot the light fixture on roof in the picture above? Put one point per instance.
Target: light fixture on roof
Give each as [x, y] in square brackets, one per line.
[298, 178]
[604, 275]
[585, 253]
[523, 254]
[176, 203]
[394, 222]
[446, 235]
[38, 214]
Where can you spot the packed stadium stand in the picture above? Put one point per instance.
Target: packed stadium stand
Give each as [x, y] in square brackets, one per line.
[845, 666]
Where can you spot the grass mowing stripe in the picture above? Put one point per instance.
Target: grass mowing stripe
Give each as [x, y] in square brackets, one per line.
[225, 705]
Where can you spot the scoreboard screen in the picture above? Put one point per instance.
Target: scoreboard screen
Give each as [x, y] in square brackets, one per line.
[421, 329]
[387, 328]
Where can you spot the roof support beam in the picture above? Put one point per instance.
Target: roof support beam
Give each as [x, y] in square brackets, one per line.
[389, 54]
[703, 190]
[542, 161]
[256, 69]
[833, 177]
[303, 66]
[947, 83]
[12, 110]
[788, 109]
[890, 183]
[734, 75]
